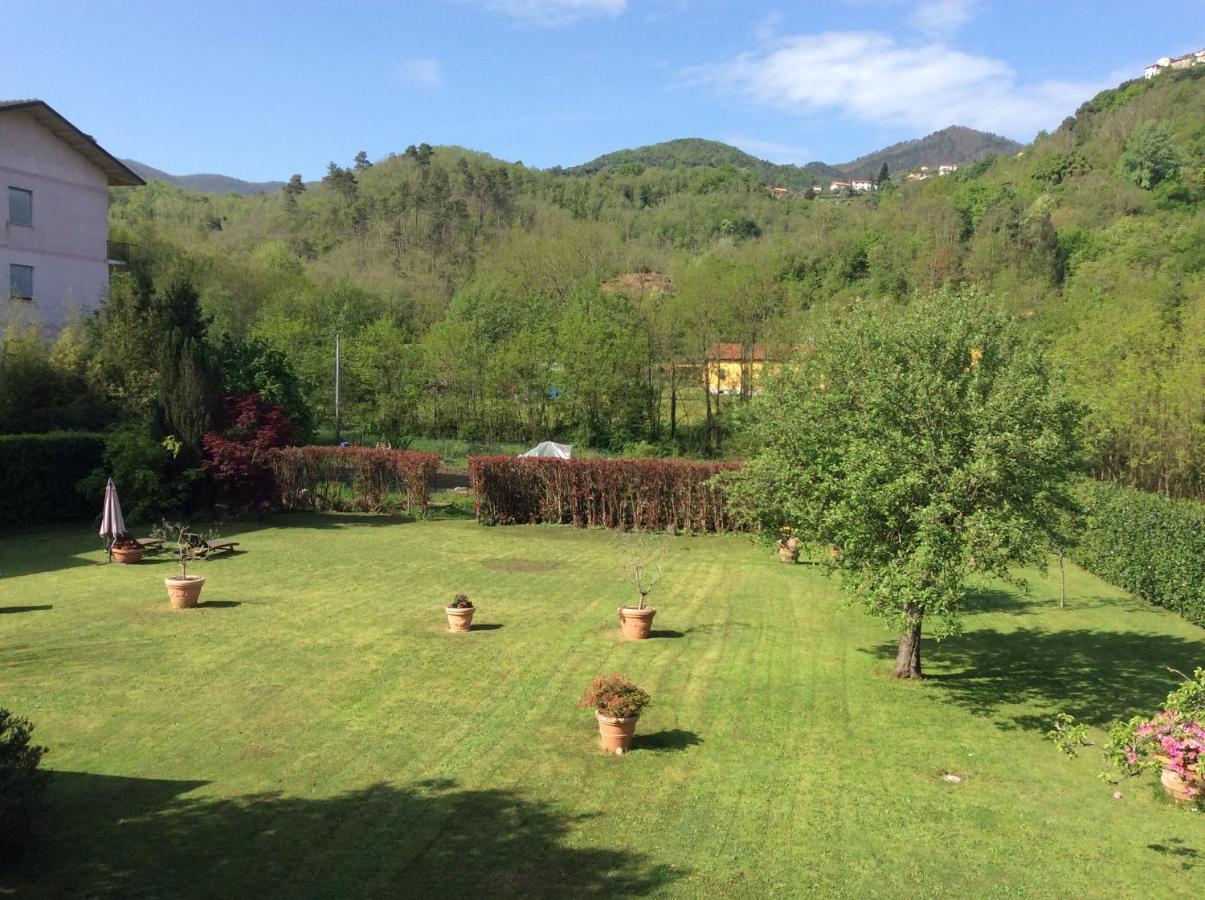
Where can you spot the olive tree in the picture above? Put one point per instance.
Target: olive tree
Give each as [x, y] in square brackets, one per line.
[925, 444]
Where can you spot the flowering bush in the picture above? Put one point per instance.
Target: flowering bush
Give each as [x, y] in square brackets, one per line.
[615, 696]
[1173, 739]
[461, 601]
[788, 538]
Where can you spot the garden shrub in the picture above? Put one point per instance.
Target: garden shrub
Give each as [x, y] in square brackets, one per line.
[239, 459]
[38, 475]
[20, 783]
[353, 478]
[608, 493]
[1151, 545]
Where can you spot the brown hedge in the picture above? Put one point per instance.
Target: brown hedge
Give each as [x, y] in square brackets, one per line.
[606, 493]
[353, 478]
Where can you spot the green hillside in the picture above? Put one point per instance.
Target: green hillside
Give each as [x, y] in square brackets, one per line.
[696, 152]
[466, 289]
[955, 145]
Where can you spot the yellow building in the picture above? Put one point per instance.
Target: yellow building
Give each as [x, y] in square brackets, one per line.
[728, 364]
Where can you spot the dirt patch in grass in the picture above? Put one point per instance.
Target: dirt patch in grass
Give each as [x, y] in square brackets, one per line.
[521, 565]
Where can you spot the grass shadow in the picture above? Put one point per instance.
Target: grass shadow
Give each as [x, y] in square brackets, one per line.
[4, 610]
[673, 739]
[1096, 676]
[218, 604]
[486, 626]
[1189, 857]
[107, 836]
[665, 633]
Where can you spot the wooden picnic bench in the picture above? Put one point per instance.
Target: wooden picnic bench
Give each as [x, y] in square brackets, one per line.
[199, 548]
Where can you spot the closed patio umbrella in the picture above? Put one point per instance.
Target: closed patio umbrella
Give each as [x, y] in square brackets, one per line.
[112, 525]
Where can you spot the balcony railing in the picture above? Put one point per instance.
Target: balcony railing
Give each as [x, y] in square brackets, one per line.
[119, 253]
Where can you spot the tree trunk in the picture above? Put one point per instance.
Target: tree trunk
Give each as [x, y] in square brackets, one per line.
[907, 660]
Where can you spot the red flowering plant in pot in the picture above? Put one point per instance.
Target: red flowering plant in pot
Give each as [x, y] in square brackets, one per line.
[644, 571]
[460, 613]
[126, 549]
[617, 704]
[1171, 742]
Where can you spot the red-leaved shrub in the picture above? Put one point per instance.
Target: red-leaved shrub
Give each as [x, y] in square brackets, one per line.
[353, 478]
[239, 458]
[608, 493]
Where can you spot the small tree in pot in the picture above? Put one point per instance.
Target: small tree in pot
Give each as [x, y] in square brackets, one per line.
[644, 571]
[460, 613]
[788, 544]
[183, 590]
[617, 704]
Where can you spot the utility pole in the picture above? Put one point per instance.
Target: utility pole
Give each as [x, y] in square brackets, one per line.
[336, 387]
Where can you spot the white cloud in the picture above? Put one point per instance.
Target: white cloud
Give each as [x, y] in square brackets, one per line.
[420, 72]
[941, 18]
[770, 150]
[554, 12]
[869, 76]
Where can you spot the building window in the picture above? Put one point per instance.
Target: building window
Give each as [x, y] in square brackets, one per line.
[20, 207]
[20, 282]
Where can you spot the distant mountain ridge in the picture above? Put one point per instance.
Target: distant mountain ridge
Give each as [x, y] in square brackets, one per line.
[956, 145]
[206, 183]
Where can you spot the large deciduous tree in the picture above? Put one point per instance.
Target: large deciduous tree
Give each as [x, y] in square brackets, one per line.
[927, 444]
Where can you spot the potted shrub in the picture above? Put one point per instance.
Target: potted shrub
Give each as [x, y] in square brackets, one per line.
[636, 621]
[183, 590]
[1171, 742]
[126, 550]
[788, 545]
[617, 704]
[460, 613]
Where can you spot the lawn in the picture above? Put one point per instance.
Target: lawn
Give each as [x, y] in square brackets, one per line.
[313, 730]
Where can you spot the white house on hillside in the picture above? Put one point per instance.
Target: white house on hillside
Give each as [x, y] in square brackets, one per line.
[1180, 62]
[54, 248]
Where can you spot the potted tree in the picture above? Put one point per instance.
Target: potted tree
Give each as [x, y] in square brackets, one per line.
[183, 590]
[617, 704]
[460, 613]
[636, 621]
[788, 545]
[126, 549]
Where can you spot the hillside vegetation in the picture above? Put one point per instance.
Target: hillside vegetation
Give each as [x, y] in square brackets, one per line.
[479, 300]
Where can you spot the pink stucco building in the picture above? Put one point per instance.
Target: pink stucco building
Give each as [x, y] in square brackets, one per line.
[54, 252]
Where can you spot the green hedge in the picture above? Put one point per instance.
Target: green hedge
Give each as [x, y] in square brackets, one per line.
[38, 475]
[1146, 543]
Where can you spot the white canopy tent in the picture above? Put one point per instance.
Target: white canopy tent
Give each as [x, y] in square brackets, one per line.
[551, 449]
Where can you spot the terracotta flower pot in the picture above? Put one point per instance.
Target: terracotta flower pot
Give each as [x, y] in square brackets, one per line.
[787, 555]
[615, 735]
[184, 592]
[636, 622]
[460, 619]
[132, 555]
[1178, 787]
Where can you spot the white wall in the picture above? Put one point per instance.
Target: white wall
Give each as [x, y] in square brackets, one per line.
[66, 245]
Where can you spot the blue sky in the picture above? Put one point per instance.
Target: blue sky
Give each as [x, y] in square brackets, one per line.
[261, 89]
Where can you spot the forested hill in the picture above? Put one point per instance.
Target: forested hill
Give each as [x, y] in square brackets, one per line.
[206, 183]
[466, 289]
[696, 152]
[955, 145]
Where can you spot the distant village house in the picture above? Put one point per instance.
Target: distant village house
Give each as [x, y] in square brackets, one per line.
[1188, 60]
[733, 370]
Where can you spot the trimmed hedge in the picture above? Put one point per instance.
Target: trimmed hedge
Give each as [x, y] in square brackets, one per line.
[39, 474]
[353, 478]
[1148, 544]
[606, 493]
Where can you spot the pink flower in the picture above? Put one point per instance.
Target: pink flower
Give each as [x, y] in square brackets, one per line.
[1117, 795]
